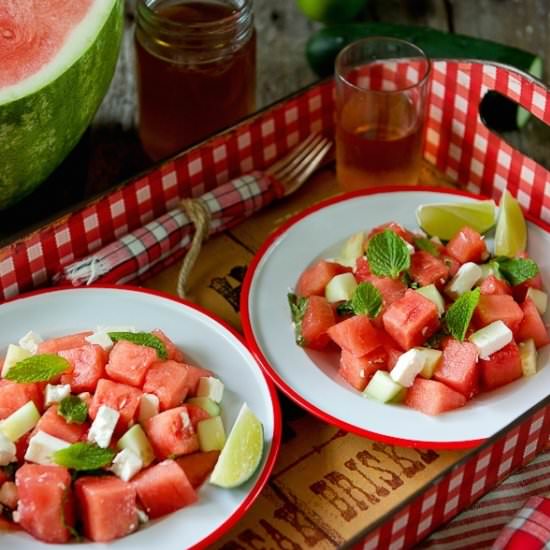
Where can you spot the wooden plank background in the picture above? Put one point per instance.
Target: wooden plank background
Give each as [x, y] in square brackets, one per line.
[110, 152]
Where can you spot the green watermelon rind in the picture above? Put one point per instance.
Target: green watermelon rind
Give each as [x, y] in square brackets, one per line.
[39, 130]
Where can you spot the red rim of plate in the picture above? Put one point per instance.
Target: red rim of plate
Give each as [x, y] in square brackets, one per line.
[277, 417]
[262, 360]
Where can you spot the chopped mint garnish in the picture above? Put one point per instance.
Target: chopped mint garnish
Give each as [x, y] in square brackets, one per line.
[516, 270]
[37, 368]
[83, 456]
[427, 245]
[142, 339]
[73, 409]
[459, 315]
[387, 254]
[366, 300]
[298, 307]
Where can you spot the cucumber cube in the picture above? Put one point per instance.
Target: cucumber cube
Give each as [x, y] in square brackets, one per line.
[382, 388]
[20, 422]
[340, 287]
[539, 297]
[211, 434]
[528, 355]
[431, 359]
[431, 292]
[136, 441]
[353, 248]
[14, 354]
[211, 407]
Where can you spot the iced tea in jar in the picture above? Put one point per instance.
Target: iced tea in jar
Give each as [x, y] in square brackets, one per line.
[196, 70]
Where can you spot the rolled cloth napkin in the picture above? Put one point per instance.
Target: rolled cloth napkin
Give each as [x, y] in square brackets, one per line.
[166, 239]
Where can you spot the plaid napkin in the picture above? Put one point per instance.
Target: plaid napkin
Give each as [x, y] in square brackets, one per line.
[163, 241]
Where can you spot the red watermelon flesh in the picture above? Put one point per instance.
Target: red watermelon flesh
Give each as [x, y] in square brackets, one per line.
[356, 335]
[315, 278]
[452, 264]
[492, 285]
[194, 374]
[129, 362]
[318, 318]
[14, 395]
[494, 307]
[172, 350]
[467, 246]
[532, 325]
[426, 269]
[357, 371]
[45, 505]
[362, 270]
[54, 424]
[396, 228]
[55, 345]
[390, 289]
[168, 381]
[458, 368]
[197, 466]
[501, 367]
[433, 397]
[88, 366]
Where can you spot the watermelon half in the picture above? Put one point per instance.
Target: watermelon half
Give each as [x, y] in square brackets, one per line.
[57, 58]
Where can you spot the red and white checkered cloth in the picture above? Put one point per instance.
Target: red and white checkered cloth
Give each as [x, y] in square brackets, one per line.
[166, 239]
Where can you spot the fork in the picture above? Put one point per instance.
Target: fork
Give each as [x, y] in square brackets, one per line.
[161, 242]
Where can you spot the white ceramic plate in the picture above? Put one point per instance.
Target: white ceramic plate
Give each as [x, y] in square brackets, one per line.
[311, 378]
[206, 342]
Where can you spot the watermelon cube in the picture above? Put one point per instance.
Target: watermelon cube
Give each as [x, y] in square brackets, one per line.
[458, 368]
[171, 433]
[314, 279]
[120, 397]
[405, 234]
[129, 362]
[54, 424]
[492, 285]
[356, 335]
[433, 397]
[88, 366]
[362, 270]
[196, 414]
[107, 507]
[197, 466]
[14, 395]
[532, 325]
[411, 320]
[168, 381]
[318, 318]
[55, 345]
[194, 374]
[357, 371]
[426, 269]
[467, 246]
[494, 307]
[163, 488]
[390, 289]
[45, 505]
[501, 367]
[172, 350]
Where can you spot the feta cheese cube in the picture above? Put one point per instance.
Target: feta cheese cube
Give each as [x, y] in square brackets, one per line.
[465, 278]
[7, 450]
[210, 387]
[30, 341]
[407, 368]
[126, 464]
[103, 426]
[539, 297]
[42, 446]
[101, 339]
[148, 407]
[491, 338]
[14, 354]
[55, 393]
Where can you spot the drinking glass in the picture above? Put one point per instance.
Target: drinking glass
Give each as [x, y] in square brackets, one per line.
[381, 93]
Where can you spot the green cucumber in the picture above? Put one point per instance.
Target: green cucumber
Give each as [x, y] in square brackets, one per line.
[498, 112]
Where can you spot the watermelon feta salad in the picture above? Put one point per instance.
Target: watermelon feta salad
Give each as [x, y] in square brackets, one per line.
[103, 430]
[421, 322]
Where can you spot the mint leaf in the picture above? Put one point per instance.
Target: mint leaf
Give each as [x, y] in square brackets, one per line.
[425, 244]
[516, 270]
[38, 368]
[83, 456]
[459, 315]
[366, 300]
[387, 254]
[142, 339]
[298, 307]
[73, 409]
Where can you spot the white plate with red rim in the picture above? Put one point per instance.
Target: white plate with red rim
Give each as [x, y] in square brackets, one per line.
[310, 378]
[206, 341]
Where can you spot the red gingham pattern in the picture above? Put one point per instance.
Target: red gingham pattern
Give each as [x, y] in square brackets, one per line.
[169, 236]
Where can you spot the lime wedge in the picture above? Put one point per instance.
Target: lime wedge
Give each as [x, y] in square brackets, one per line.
[443, 220]
[511, 231]
[242, 451]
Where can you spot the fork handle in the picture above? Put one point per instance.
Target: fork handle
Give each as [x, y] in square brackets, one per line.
[164, 241]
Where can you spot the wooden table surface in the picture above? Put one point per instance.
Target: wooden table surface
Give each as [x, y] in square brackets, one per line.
[110, 152]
